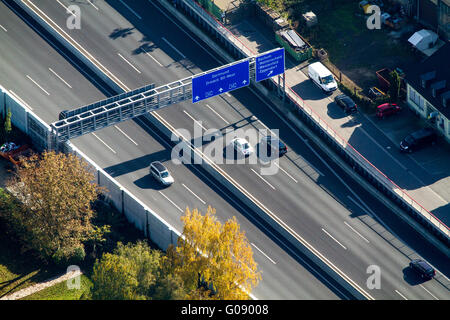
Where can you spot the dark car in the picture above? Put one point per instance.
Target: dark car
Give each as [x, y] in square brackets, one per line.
[387, 109]
[274, 144]
[346, 103]
[422, 268]
[418, 139]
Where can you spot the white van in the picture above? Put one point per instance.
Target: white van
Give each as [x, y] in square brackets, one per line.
[322, 77]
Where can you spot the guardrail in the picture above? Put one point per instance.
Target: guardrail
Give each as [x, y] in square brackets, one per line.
[365, 166]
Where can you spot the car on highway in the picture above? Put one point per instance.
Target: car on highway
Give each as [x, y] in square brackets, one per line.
[160, 173]
[274, 144]
[346, 103]
[387, 109]
[242, 146]
[418, 140]
[422, 268]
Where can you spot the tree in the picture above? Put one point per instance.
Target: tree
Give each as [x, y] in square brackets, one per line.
[7, 124]
[54, 216]
[394, 89]
[214, 260]
[134, 272]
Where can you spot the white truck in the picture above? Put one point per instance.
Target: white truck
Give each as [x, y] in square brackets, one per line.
[322, 77]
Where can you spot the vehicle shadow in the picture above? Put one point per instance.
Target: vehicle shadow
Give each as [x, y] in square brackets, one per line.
[120, 33]
[148, 182]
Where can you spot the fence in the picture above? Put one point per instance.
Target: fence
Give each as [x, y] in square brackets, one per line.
[364, 167]
[25, 120]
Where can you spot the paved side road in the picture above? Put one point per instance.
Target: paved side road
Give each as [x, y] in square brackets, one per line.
[40, 286]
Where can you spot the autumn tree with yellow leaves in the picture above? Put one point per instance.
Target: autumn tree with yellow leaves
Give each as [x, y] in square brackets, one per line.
[214, 260]
[49, 205]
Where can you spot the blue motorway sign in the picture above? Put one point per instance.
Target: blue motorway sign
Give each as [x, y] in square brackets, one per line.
[269, 64]
[220, 81]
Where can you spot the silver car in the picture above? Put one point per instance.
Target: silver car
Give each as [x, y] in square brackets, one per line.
[160, 173]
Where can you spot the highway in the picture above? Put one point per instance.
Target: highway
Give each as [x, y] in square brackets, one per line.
[309, 193]
[126, 150]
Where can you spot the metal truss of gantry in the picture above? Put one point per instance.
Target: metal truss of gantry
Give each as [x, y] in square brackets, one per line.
[99, 115]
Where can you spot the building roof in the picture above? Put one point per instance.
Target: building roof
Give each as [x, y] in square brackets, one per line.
[434, 72]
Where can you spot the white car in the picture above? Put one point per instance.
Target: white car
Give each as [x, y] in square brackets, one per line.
[160, 173]
[242, 146]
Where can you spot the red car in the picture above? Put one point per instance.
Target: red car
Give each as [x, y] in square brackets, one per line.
[387, 109]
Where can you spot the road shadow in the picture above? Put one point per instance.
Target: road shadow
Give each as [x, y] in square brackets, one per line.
[308, 90]
[137, 163]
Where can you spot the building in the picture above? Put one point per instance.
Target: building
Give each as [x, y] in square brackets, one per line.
[428, 90]
[432, 14]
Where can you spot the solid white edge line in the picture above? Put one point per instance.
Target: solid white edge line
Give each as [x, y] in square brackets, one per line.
[104, 143]
[401, 295]
[20, 99]
[263, 179]
[38, 85]
[128, 7]
[4, 29]
[333, 238]
[428, 292]
[60, 78]
[217, 113]
[170, 201]
[193, 193]
[173, 47]
[263, 253]
[348, 225]
[125, 135]
[131, 65]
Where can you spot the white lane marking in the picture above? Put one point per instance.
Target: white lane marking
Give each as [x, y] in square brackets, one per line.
[193, 119]
[428, 292]
[217, 114]
[137, 70]
[173, 47]
[125, 135]
[279, 167]
[152, 57]
[4, 29]
[38, 85]
[104, 143]
[228, 95]
[398, 292]
[170, 201]
[60, 78]
[67, 9]
[263, 253]
[90, 2]
[193, 193]
[333, 238]
[128, 7]
[356, 232]
[20, 99]
[263, 179]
